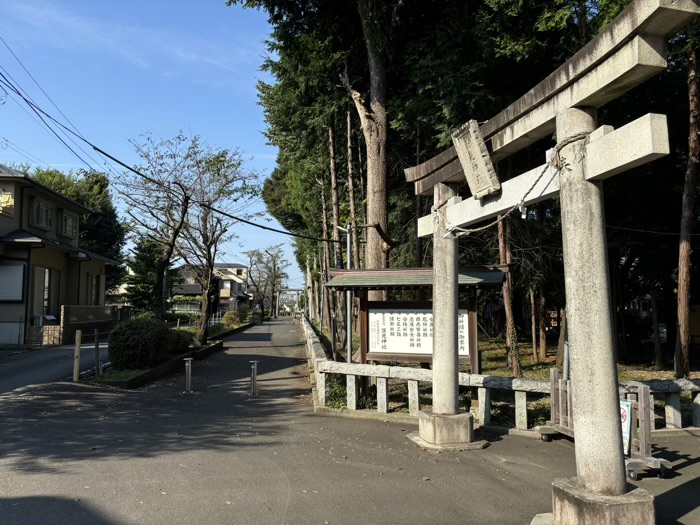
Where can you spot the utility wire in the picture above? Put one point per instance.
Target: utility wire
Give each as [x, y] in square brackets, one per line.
[38, 109]
[675, 234]
[19, 87]
[5, 142]
[32, 105]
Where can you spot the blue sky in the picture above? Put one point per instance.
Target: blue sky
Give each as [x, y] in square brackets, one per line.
[118, 70]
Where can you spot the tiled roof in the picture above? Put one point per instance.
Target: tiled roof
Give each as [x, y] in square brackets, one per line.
[411, 278]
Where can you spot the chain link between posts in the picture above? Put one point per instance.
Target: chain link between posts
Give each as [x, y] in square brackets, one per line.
[556, 161]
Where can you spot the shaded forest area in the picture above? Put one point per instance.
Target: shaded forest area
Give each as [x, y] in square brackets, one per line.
[366, 88]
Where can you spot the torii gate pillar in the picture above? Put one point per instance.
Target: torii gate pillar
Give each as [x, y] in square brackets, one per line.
[598, 493]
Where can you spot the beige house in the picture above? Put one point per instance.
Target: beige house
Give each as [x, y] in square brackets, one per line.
[43, 271]
[231, 284]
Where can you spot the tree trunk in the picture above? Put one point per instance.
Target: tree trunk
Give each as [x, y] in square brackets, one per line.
[351, 197]
[681, 366]
[337, 248]
[562, 337]
[658, 349]
[309, 291]
[374, 127]
[326, 258]
[533, 316]
[203, 325]
[511, 335]
[543, 326]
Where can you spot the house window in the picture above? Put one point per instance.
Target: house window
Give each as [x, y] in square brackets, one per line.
[69, 225]
[42, 214]
[11, 281]
[239, 272]
[7, 201]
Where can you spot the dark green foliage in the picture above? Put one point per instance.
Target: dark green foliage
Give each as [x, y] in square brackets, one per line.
[243, 311]
[231, 319]
[141, 292]
[144, 343]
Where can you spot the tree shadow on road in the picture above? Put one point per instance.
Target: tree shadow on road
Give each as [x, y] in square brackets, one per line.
[64, 422]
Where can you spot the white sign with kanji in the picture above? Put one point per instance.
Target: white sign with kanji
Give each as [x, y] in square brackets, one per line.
[410, 331]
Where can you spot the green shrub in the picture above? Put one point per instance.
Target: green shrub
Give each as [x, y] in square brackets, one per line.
[144, 343]
[243, 311]
[231, 319]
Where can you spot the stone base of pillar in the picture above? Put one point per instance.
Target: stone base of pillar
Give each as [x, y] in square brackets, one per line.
[443, 432]
[575, 506]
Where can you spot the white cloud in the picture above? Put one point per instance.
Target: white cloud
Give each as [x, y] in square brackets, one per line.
[162, 50]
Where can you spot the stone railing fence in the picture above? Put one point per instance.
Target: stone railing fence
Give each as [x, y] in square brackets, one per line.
[668, 391]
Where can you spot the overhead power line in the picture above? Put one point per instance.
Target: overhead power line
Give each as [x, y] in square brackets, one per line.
[110, 168]
[38, 109]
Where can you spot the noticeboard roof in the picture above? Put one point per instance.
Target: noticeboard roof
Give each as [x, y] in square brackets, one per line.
[411, 278]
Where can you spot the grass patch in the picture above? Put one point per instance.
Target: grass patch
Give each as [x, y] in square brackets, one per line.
[116, 375]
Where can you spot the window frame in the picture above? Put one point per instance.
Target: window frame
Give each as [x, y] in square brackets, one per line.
[36, 215]
[65, 214]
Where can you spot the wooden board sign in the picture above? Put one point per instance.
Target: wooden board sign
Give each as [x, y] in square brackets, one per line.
[410, 331]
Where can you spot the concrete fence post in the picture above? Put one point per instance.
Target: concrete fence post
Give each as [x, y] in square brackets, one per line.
[484, 397]
[321, 388]
[413, 399]
[352, 391]
[520, 410]
[76, 356]
[673, 410]
[382, 395]
[696, 409]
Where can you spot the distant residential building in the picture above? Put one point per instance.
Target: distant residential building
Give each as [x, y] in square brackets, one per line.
[230, 281]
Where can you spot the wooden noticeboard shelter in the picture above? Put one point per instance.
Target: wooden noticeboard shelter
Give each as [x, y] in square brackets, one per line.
[402, 331]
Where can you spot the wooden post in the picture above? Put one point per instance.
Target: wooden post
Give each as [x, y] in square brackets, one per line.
[76, 356]
[474, 357]
[97, 352]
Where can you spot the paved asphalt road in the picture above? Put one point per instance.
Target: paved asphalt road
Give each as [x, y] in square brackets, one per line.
[44, 366]
[78, 454]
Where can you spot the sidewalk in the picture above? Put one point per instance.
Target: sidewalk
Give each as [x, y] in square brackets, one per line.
[77, 454]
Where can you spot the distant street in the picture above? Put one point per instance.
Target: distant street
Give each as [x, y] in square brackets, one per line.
[44, 366]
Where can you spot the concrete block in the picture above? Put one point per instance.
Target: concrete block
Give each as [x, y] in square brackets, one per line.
[673, 410]
[446, 432]
[696, 410]
[445, 429]
[413, 399]
[521, 410]
[382, 395]
[352, 388]
[575, 506]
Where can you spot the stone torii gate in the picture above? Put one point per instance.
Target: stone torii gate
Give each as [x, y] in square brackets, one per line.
[629, 51]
